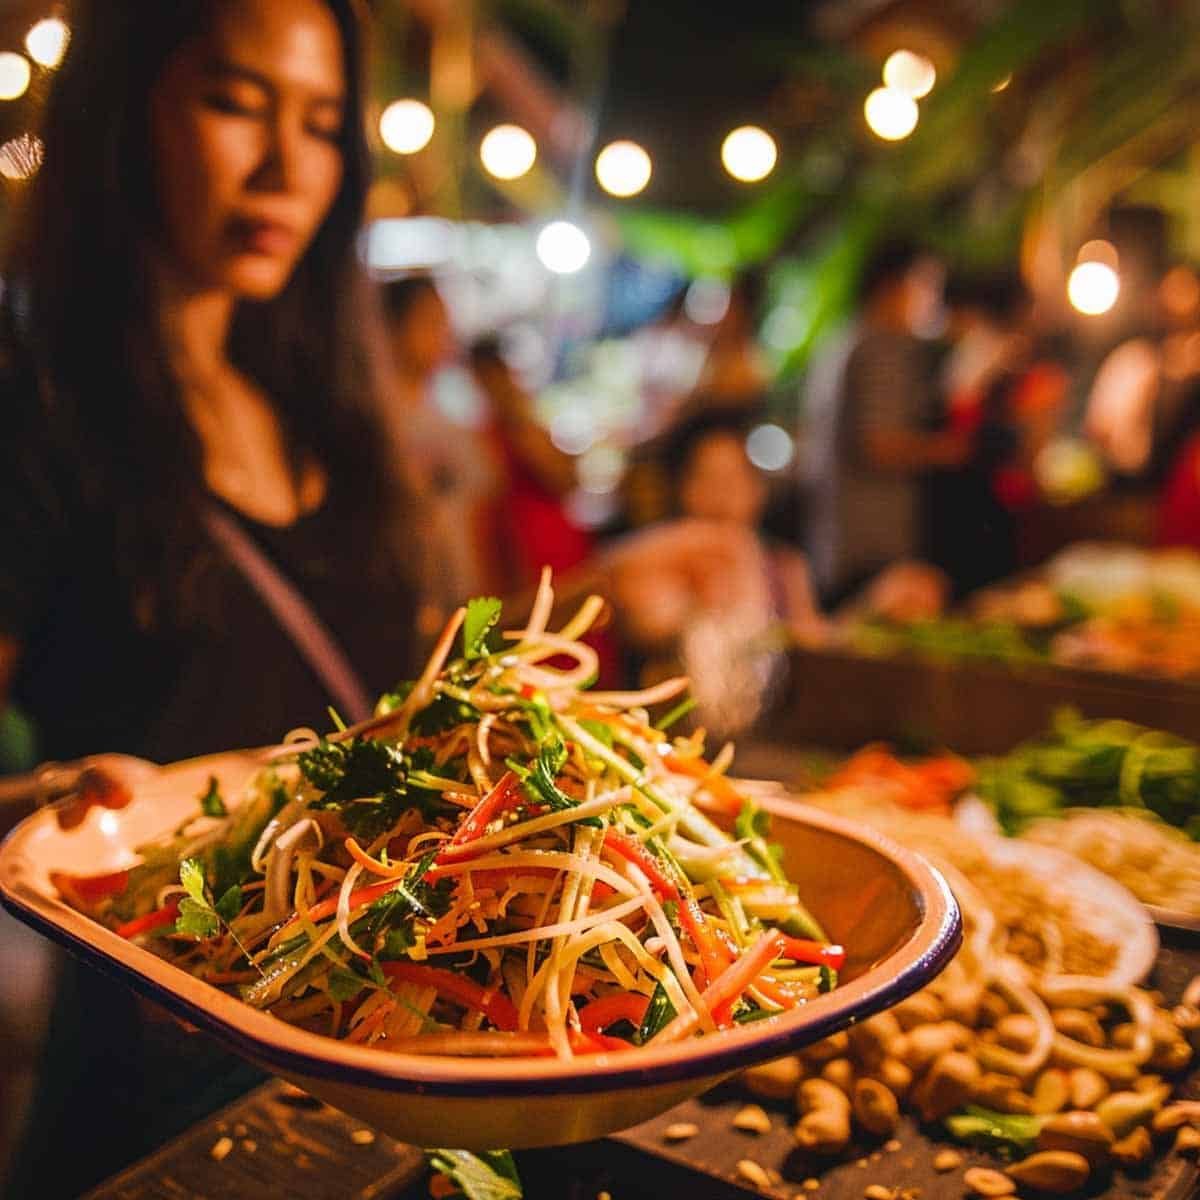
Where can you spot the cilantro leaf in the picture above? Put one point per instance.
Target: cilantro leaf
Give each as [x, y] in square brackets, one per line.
[211, 803]
[361, 779]
[191, 875]
[197, 918]
[489, 1175]
[483, 613]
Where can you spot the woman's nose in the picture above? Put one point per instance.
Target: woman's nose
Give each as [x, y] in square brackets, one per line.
[278, 169]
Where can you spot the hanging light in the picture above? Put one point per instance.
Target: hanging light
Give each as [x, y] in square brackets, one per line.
[14, 75]
[406, 126]
[47, 42]
[910, 73]
[749, 153]
[891, 114]
[1093, 288]
[563, 247]
[21, 157]
[508, 152]
[623, 168]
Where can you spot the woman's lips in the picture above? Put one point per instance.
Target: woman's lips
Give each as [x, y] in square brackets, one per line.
[263, 237]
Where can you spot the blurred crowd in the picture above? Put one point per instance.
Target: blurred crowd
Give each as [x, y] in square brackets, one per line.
[954, 431]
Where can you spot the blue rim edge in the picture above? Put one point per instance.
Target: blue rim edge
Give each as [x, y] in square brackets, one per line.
[716, 1062]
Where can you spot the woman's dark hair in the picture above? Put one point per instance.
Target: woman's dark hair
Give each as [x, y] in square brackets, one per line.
[81, 310]
[680, 446]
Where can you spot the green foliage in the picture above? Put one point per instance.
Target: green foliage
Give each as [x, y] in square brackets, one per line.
[483, 613]
[488, 1175]
[362, 780]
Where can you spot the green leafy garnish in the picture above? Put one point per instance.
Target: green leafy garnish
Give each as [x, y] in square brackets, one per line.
[1015, 1131]
[344, 985]
[198, 915]
[483, 613]
[211, 804]
[488, 1175]
[660, 1012]
[362, 780]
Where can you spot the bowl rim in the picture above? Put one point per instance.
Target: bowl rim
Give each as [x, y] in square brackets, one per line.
[278, 1046]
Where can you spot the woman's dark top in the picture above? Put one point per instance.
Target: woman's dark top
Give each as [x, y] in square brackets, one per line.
[95, 678]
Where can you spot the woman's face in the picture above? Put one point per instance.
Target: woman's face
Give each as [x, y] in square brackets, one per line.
[246, 123]
[720, 483]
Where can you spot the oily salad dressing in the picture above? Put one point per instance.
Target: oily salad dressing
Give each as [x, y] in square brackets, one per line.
[500, 862]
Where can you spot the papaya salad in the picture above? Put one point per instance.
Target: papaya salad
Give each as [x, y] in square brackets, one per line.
[499, 862]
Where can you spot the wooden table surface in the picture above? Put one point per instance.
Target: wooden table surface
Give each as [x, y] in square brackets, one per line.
[278, 1144]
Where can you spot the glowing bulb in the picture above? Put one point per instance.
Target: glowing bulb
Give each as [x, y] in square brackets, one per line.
[47, 42]
[1002, 83]
[770, 447]
[891, 114]
[623, 168]
[21, 157]
[749, 153]
[1093, 287]
[14, 75]
[406, 126]
[508, 151]
[912, 74]
[563, 247]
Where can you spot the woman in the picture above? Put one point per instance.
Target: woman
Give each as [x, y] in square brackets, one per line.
[186, 338]
[186, 357]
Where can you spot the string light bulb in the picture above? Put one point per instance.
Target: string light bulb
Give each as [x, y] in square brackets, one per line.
[406, 126]
[910, 73]
[14, 75]
[623, 169]
[749, 153]
[47, 41]
[508, 152]
[891, 114]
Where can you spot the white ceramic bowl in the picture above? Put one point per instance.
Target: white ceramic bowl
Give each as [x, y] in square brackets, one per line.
[892, 911]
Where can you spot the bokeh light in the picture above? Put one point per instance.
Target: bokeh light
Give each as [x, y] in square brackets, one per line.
[770, 447]
[406, 126]
[14, 75]
[706, 301]
[891, 114]
[47, 42]
[21, 157]
[563, 248]
[623, 168]
[1098, 250]
[910, 73]
[749, 153]
[508, 151]
[1093, 288]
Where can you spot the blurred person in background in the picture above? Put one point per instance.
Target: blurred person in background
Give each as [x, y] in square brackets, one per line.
[867, 445]
[714, 480]
[970, 531]
[529, 522]
[450, 468]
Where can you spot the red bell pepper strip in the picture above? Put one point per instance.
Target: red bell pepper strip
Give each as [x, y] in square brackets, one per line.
[499, 800]
[714, 957]
[633, 851]
[598, 1015]
[818, 953]
[494, 1005]
[595, 1043]
[152, 920]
